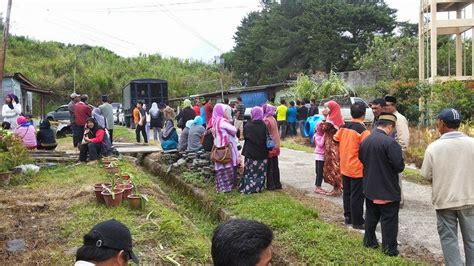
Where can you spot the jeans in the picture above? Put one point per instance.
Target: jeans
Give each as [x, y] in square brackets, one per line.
[353, 199]
[78, 135]
[156, 133]
[292, 127]
[387, 214]
[448, 221]
[319, 172]
[111, 134]
[301, 124]
[91, 149]
[142, 130]
[282, 128]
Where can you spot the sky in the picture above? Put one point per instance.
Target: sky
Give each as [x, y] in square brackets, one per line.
[197, 29]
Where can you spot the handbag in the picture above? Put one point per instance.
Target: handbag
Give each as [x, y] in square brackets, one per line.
[222, 155]
[207, 140]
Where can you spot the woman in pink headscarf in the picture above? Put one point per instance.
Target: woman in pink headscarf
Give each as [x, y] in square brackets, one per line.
[224, 133]
[273, 170]
[26, 132]
[256, 154]
[331, 169]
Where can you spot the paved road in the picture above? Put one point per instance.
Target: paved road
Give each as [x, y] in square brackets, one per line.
[417, 218]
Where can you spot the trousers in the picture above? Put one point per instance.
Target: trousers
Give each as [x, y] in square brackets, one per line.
[448, 221]
[353, 199]
[387, 214]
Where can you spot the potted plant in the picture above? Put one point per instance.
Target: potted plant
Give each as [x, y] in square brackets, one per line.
[125, 176]
[136, 200]
[112, 167]
[107, 160]
[98, 192]
[5, 173]
[112, 197]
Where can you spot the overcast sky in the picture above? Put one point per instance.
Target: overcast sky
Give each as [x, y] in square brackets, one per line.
[199, 29]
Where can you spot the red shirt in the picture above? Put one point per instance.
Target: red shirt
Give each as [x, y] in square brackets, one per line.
[99, 136]
[82, 112]
[208, 111]
[197, 110]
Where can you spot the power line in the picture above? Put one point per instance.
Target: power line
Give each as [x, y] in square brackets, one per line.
[197, 34]
[159, 10]
[144, 6]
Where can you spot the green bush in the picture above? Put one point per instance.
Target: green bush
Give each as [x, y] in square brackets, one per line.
[453, 94]
[12, 151]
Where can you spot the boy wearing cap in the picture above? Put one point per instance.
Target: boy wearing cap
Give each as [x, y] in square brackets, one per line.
[108, 243]
[449, 164]
[382, 158]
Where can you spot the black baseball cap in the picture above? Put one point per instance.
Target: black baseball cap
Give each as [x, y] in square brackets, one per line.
[111, 234]
[450, 115]
[378, 101]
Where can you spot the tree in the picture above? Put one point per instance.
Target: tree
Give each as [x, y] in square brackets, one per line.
[303, 36]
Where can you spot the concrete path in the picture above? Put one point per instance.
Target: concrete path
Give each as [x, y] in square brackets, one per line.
[417, 219]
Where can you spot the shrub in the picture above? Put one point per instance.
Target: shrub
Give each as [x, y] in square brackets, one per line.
[12, 151]
[453, 94]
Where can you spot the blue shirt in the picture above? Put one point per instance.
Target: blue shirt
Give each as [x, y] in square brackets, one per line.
[291, 114]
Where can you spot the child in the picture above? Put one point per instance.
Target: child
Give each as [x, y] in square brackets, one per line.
[45, 137]
[319, 151]
[26, 132]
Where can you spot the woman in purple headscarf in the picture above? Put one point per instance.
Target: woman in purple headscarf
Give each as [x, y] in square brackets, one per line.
[224, 133]
[273, 170]
[256, 154]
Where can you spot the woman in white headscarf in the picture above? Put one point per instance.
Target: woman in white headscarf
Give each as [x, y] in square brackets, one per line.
[156, 120]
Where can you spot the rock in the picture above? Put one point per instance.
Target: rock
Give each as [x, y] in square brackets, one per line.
[16, 245]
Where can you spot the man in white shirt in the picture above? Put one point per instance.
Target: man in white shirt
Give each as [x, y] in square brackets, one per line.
[449, 164]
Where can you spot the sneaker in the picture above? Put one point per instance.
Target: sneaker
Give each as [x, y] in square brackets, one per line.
[358, 226]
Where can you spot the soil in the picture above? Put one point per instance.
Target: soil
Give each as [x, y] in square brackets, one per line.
[32, 215]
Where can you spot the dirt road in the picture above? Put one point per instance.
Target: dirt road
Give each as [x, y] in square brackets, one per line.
[417, 228]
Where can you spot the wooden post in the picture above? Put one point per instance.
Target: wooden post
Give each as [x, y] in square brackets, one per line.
[458, 47]
[42, 107]
[421, 48]
[3, 54]
[434, 41]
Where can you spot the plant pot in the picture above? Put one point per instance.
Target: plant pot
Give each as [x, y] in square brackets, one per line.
[125, 176]
[135, 201]
[127, 190]
[112, 170]
[113, 202]
[5, 177]
[98, 192]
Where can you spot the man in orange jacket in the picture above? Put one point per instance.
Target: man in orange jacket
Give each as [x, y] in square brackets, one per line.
[349, 136]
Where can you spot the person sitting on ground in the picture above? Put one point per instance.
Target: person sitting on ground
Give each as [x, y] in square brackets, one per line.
[6, 125]
[183, 138]
[108, 243]
[242, 242]
[26, 132]
[95, 142]
[169, 137]
[195, 133]
[45, 137]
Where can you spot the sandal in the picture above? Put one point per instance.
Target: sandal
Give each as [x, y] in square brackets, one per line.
[320, 191]
[334, 193]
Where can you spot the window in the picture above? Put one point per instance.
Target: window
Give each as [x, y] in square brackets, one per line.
[62, 109]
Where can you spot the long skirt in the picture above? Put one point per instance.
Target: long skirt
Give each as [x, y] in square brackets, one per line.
[273, 174]
[331, 169]
[225, 179]
[254, 176]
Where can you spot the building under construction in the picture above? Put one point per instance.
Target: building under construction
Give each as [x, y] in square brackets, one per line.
[444, 17]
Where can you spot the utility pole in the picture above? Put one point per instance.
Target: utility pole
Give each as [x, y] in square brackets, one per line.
[3, 54]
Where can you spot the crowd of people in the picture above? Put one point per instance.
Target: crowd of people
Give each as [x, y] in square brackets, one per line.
[22, 125]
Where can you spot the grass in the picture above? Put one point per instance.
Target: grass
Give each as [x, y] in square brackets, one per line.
[124, 134]
[159, 231]
[291, 144]
[414, 175]
[299, 231]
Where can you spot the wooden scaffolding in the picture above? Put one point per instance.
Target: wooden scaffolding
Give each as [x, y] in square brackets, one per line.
[432, 25]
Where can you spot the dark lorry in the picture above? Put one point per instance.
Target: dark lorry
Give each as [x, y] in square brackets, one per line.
[147, 90]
